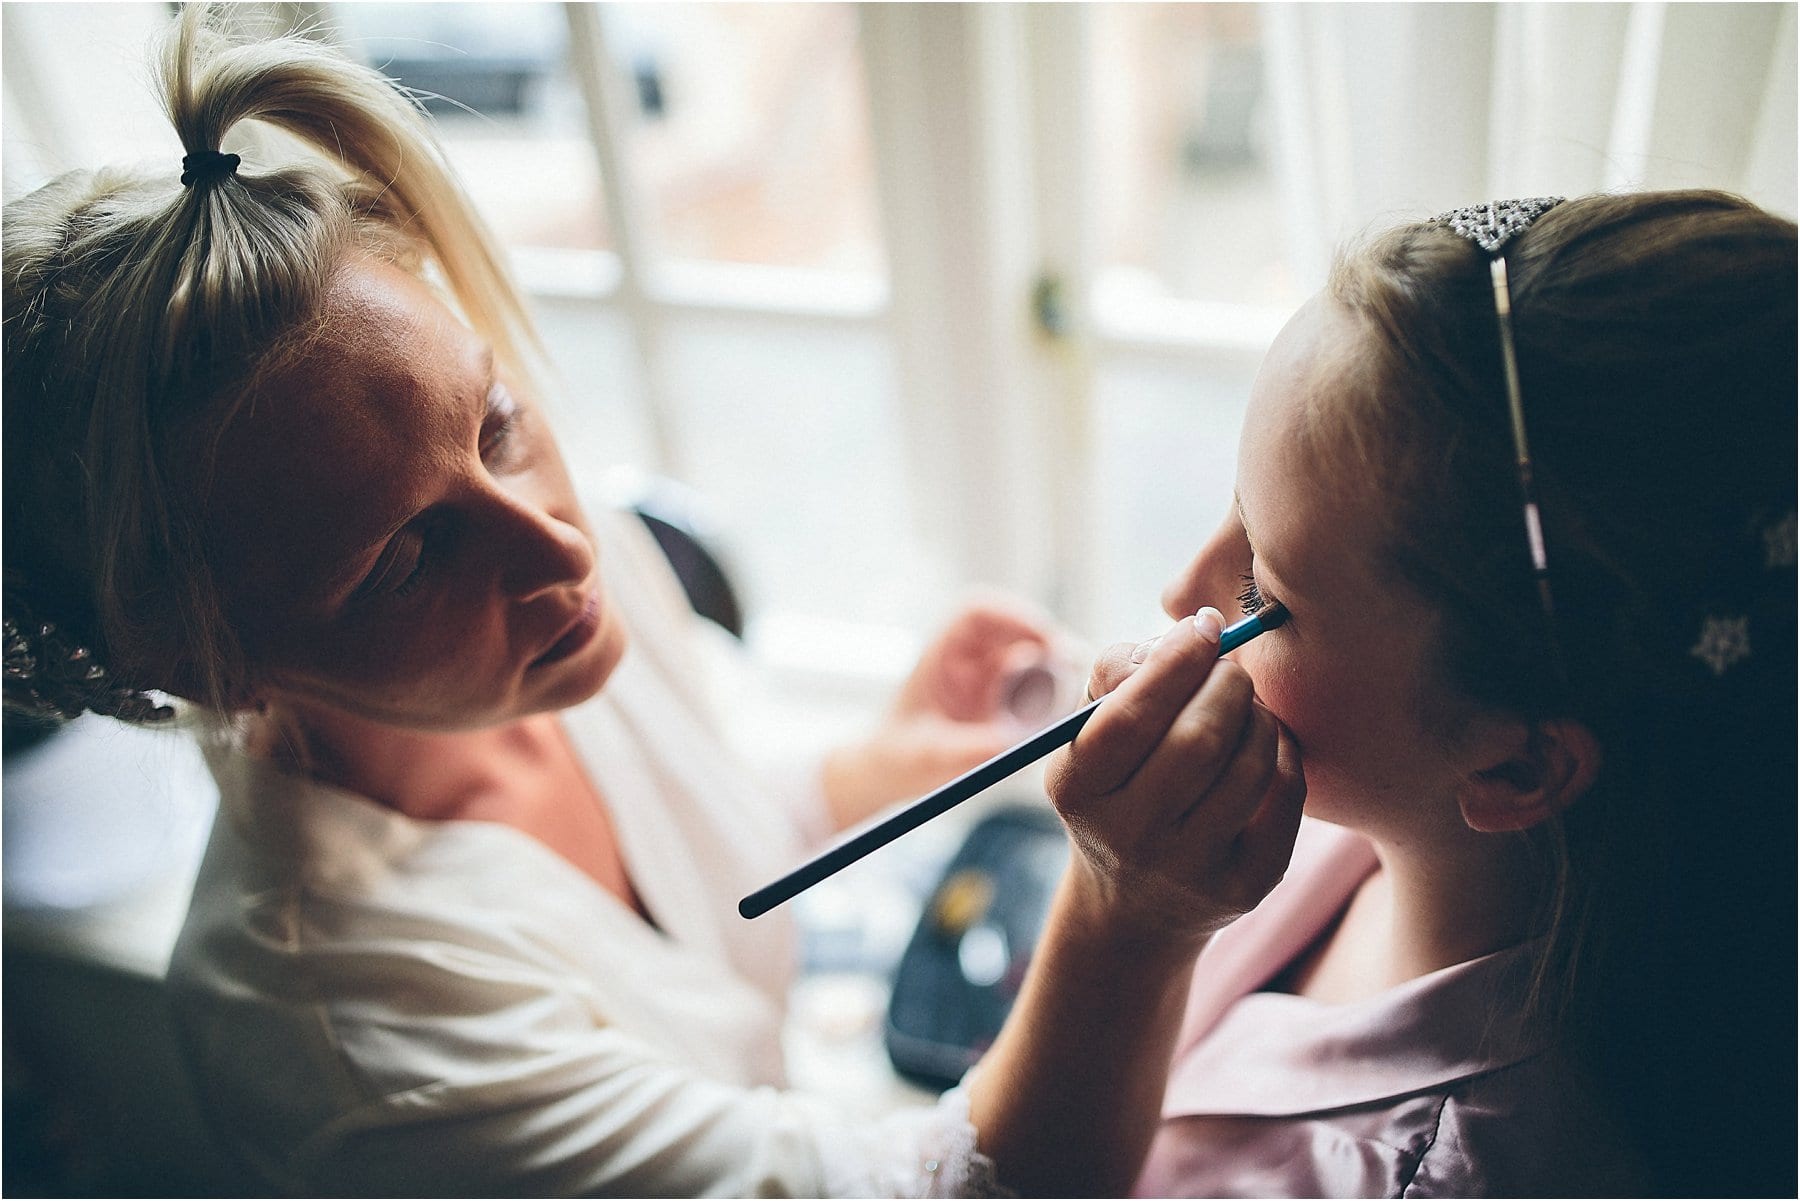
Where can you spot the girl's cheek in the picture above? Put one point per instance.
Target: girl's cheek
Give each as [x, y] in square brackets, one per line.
[1285, 689]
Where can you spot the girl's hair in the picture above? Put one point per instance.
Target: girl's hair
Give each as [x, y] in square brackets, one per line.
[1656, 354]
[139, 312]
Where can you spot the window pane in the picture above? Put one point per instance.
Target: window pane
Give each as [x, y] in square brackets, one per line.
[1183, 142]
[1167, 465]
[793, 431]
[751, 140]
[595, 394]
[506, 104]
[89, 108]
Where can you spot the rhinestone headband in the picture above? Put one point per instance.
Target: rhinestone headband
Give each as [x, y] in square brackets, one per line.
[1491, 226]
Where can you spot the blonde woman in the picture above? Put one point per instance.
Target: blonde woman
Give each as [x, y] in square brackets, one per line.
[466, 923]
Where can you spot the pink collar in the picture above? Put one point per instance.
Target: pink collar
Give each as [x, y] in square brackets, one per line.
[1245, 1052]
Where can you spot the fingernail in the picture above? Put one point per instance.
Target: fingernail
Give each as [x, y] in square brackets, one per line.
[1142, 651]
[1210, 623]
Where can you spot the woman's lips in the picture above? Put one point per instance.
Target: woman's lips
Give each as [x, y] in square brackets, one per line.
[580, 632]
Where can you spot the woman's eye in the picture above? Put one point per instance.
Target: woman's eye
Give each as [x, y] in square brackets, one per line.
[501, 424]
[399, 571]
[416, 577]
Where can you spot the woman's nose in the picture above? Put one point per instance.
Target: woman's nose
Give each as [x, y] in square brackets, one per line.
[540, 552]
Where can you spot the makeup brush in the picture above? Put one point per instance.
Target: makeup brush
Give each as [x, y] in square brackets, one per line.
[872, 838]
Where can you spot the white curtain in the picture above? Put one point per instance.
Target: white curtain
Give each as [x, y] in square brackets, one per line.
[1393, 110]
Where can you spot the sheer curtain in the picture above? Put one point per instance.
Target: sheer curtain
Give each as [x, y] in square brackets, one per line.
[1392, 110]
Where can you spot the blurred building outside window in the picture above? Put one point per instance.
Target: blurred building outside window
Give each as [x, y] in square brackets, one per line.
[497, 82]
[1190, 206]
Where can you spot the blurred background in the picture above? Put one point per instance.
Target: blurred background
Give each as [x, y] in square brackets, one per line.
[986, 283]
[897, 300]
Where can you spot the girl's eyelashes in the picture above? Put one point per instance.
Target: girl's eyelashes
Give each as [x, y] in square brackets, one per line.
[1251, 599]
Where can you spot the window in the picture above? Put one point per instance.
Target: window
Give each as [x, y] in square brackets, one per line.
[1185, 145]
[750, 141]
[920, 296]
[497, 81]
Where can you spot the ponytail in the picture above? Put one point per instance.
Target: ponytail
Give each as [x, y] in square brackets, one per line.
[141, 307]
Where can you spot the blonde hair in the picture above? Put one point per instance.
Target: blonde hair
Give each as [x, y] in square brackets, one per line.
[139, 311]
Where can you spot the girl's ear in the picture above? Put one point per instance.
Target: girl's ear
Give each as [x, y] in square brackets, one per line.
[1547, 768]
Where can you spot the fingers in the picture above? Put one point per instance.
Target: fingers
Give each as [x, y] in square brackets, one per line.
[1218, 755]
[1118, 662]
[1138, 713]
[1115, 665]
[1182, 793]
[961, 672]
[1267, 841]
[993, 622]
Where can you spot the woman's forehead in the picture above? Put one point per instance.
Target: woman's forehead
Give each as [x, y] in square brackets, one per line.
[345, 433]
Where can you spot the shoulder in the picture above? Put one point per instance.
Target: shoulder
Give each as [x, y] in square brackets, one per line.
[313, 907]
[1532, 1128]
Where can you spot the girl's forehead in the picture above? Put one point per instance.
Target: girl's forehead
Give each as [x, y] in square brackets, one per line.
[1302, 417]
[1310, 504]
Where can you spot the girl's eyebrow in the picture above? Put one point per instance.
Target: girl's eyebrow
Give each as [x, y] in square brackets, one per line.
[1281, 581]
[1238, 504]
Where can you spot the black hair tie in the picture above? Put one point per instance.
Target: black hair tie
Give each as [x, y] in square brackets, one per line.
[207, 164]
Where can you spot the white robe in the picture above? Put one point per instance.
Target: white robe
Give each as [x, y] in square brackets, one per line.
[377, 1004]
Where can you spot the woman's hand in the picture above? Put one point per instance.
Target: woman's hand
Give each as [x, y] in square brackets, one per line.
[1182, 794]
[950, 714]
[1183, 797]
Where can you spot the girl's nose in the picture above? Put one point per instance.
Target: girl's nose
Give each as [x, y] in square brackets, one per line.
[1210, 577]
[1183, 595]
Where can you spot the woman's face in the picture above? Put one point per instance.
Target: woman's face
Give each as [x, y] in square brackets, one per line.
[1349, 672]
[394, 531]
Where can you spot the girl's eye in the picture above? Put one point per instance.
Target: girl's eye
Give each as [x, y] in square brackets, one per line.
[1251, 599]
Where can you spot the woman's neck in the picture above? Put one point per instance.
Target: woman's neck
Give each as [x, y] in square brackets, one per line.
[524, 774]
[421, 773]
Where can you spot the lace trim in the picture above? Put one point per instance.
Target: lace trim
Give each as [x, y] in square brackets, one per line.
[957, 1168]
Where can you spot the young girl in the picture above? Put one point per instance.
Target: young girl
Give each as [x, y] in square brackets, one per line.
[467, 922]
[1540, 667]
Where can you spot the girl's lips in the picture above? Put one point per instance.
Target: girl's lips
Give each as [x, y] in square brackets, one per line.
[580, 632]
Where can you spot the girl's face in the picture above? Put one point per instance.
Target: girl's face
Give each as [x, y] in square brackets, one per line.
[1349, 673]
[393, 529]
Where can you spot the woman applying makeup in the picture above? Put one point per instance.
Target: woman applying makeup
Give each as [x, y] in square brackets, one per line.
[467, 921]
